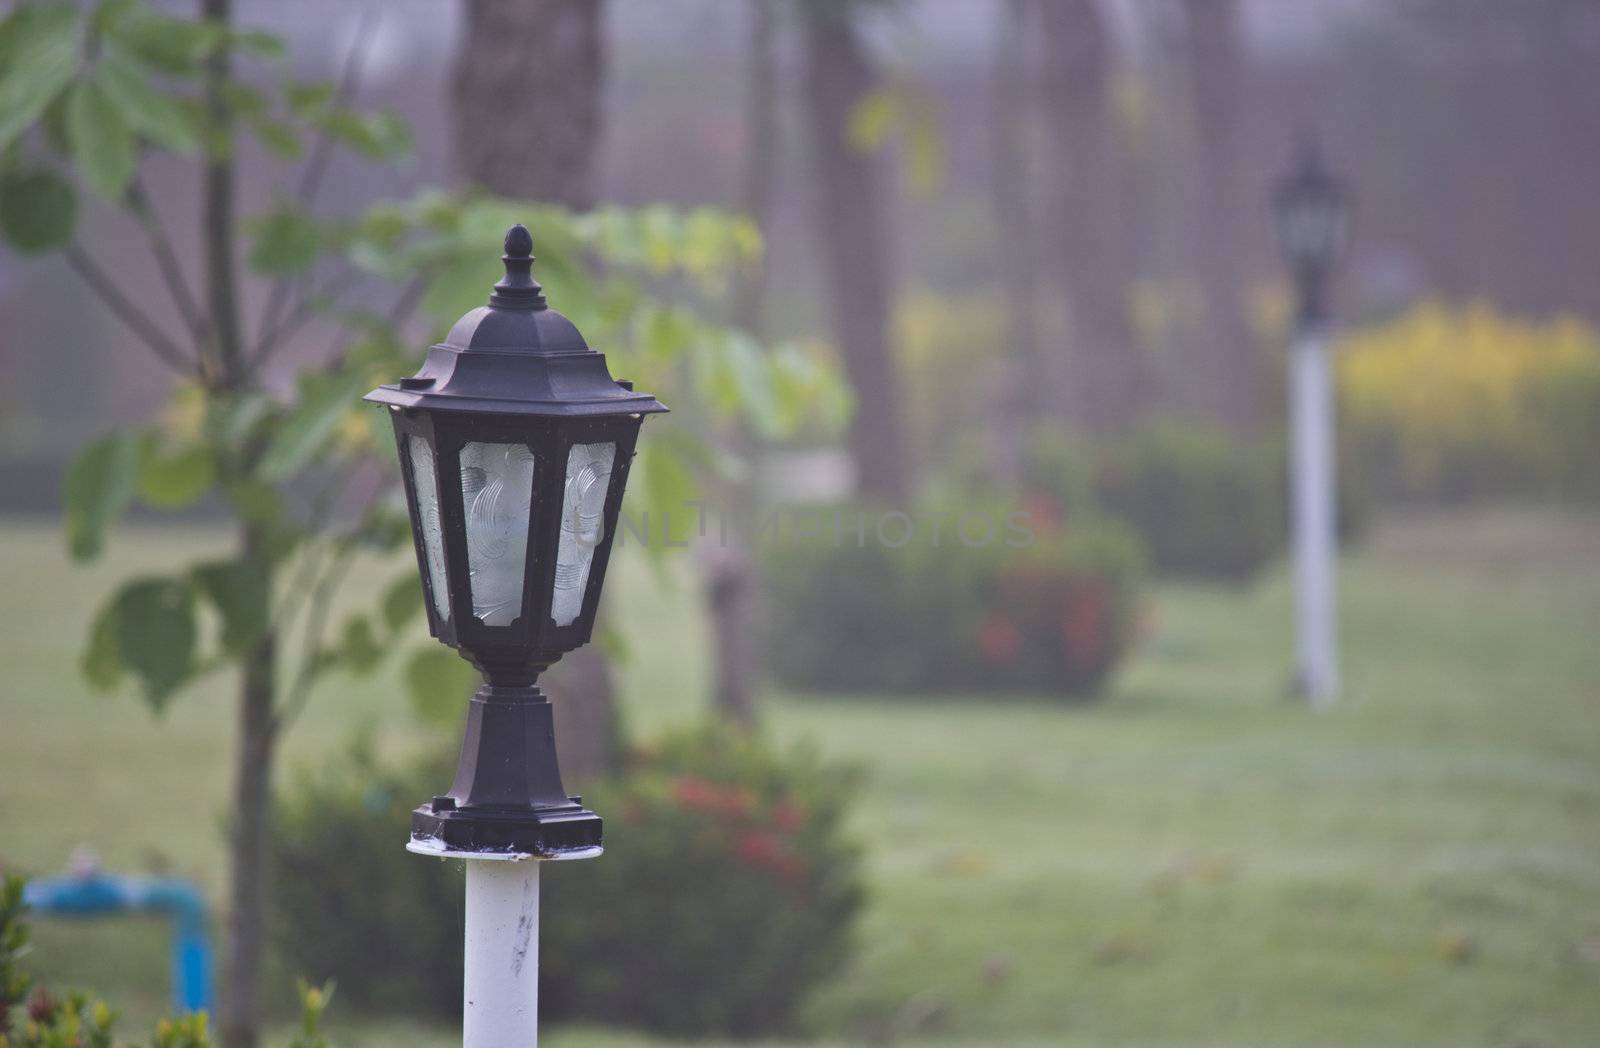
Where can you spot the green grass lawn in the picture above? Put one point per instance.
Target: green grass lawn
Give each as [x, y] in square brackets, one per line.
[1194, 861]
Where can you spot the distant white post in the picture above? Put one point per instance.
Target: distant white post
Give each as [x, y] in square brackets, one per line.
[1314, 512]
[1312, 209]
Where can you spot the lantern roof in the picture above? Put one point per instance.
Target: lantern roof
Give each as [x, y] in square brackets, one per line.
[1309, 176]
[516, 356]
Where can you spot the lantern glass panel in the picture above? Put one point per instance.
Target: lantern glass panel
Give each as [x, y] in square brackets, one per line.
[497, 493]
[582, 526]
[425, 484]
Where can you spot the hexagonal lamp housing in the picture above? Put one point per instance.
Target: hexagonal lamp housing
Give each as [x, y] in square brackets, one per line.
[515, 444]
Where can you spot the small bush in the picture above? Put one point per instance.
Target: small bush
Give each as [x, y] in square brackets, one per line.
[31, 1016]
[1204, 503]
[726, 893]
[1452, 404]
[1050, 615]
[349, 904]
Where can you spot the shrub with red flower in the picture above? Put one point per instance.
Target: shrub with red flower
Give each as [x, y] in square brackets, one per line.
[998, 638]
[1052, 615]
[1072, 623]
[729, 898]
[728, 802]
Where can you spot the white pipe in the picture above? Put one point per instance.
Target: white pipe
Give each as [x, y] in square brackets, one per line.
[1313, 510]
[502, 954]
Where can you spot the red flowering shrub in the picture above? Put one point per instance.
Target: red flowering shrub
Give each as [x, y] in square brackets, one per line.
[727, 892]
[1052, 614]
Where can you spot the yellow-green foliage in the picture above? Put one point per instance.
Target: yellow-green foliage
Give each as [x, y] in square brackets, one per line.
[1453, 402]
[948, 361]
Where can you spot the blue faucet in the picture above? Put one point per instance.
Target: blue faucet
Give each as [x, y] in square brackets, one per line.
[92, 894]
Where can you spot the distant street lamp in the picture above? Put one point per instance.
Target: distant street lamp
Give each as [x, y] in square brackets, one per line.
[515, 444]
[1312, 208]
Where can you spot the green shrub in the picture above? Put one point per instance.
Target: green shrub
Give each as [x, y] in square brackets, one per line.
[1052, 613]
[349, 904]
[727, 893]
[725, 896]
[1204, 503]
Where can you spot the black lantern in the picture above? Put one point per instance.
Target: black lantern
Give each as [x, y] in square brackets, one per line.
[1312, 209]
[515, 444]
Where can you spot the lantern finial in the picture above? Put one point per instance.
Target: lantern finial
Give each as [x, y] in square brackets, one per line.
[518, 290]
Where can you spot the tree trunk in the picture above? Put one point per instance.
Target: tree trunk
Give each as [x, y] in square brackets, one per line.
[527, 98]
[1228, 370]
[853, 221]
[728, 573]
[730, 596]
[252, 794]
[760, 157]
[1108, 380]
[1027, 396]
[583, 693]
[252, 799]
[527, 118]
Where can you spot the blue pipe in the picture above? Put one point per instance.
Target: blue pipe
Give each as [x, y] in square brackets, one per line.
[97, 894]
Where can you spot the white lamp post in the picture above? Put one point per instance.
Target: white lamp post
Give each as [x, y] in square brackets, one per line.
[1312, 209]
[515, 443]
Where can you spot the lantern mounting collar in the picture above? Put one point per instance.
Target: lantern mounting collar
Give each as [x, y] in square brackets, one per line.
[516, 356]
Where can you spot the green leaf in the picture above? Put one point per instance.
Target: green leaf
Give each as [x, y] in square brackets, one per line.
[40, 56]
[102, 659]
[240, 592]
[244, 100]
[154, 626]
[153, 114]
[234, 419]
[402, 601]
[102, 142]
[752, 377]
[278, 137]
[439, 682]
[287, 241]
[176, 46]
[381, 528]
[668, 488]
[261, 505]
[178, 479]
[255, 502]
[459, 287]
[99, 487]
[358, 645]
[376, 136]
[306, 430]
[305, 98]
[38, 211]
[258, 42]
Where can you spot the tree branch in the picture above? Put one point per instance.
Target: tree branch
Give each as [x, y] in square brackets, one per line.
[131, 315]
[277, 337]
[410, 297]
[321, 601]
[143, 209]
[322, 153]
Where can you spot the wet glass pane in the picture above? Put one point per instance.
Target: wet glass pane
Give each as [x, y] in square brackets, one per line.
[582, 526]
[422, 479]
[497, 491]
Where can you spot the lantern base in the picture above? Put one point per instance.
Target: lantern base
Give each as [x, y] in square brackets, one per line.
[551, 833]
[507, 797]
